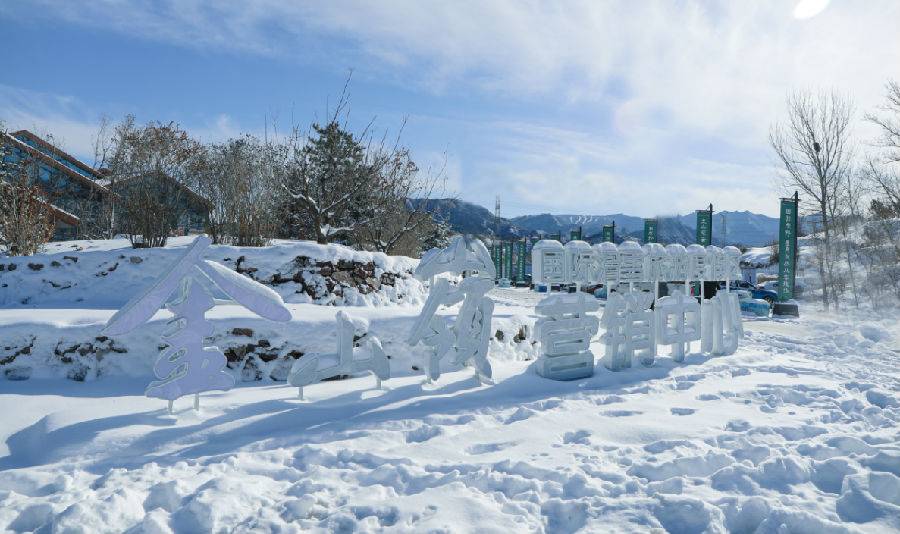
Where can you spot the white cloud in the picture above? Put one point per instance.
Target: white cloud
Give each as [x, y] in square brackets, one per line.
[48, 115]
[664, 72]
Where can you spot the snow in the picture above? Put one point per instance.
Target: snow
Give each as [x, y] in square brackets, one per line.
[108, 273]
[798, 431]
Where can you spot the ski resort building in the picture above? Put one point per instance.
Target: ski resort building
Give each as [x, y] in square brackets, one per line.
[72, 188]
[76, 192]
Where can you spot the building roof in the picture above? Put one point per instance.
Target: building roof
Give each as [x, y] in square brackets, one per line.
[191, 194]
[46, 147]
[53, 162]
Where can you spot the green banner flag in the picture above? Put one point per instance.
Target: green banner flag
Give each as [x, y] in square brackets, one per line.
[609, 233]
[508, 259]
[495, 255]
[787, 248]
[575, 234]
[650, 226]
[520, 260]
[704, 227]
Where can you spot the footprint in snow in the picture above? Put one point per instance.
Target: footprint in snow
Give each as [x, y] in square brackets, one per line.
[484, 448]
[682, 411]
[620, 413]
[423, 433]
[579, 436]
[520, 414]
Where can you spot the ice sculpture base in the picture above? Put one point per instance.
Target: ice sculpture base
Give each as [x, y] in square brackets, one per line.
[567, 367]
[786, 309]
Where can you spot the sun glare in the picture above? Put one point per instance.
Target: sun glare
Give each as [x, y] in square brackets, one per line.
[807, 9]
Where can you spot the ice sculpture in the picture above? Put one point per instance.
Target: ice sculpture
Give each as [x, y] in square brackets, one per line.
[679, 265]
[187, 366]
[696, 263]
[607, 255]
[732, 265]
[655, 266]
[580, 262]
[469, 337]
[715, 263]
[565, 329]
[312, 368]
[677, 323]
[721, 327]
[631, 263]
[640, 328]
[614, 319]
[548, 262]
[630, 330]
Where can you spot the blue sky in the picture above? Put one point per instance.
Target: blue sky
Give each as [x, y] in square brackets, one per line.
[648, 108]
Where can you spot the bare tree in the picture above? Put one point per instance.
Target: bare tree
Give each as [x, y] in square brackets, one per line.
[888, 120]
[401, 220]
[813, 145]
[26, 222]
[236, 178]
[883, 175]
[150, 171]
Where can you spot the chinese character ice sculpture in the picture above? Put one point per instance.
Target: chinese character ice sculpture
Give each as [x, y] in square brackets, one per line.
[677, 323]
[565, 330]
[630, 330]
[469, 337]
[309, 369]
[187, 366]
[721, 327]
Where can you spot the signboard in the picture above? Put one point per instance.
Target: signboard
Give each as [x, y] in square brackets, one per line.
[508, 259]
[650, 227]
[787, 248]
[609, 232]
[495, 255]
[704, 227]
[520, 260]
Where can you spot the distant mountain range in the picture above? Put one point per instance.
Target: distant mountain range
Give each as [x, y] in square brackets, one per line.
[738, 228]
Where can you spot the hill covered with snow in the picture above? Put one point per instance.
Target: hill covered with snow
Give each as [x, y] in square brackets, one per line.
[107, 273]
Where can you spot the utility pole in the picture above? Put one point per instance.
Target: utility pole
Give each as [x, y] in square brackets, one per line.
[724, 232]
[497, 217]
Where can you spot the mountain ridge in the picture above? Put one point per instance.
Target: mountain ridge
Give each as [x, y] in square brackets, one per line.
[740, 227]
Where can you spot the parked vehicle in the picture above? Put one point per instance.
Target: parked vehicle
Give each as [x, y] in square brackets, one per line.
[768, 295]
[757, 307]
[772, 285]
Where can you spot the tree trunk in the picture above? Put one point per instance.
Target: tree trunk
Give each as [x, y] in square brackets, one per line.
[824, 269]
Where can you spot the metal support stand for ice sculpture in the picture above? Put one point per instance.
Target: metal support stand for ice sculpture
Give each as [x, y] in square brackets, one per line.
[186, 366]
[565, 330]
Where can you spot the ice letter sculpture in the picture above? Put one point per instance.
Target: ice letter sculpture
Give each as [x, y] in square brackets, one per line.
[548, 262]
[309, 369]
[677, 323]
[565, 330]
[186, 366]
[470, 335]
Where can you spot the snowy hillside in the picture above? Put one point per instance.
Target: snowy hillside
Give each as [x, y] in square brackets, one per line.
[107, 273]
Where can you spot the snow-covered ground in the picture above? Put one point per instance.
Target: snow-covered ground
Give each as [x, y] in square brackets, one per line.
[797, 432]
[107, 273]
